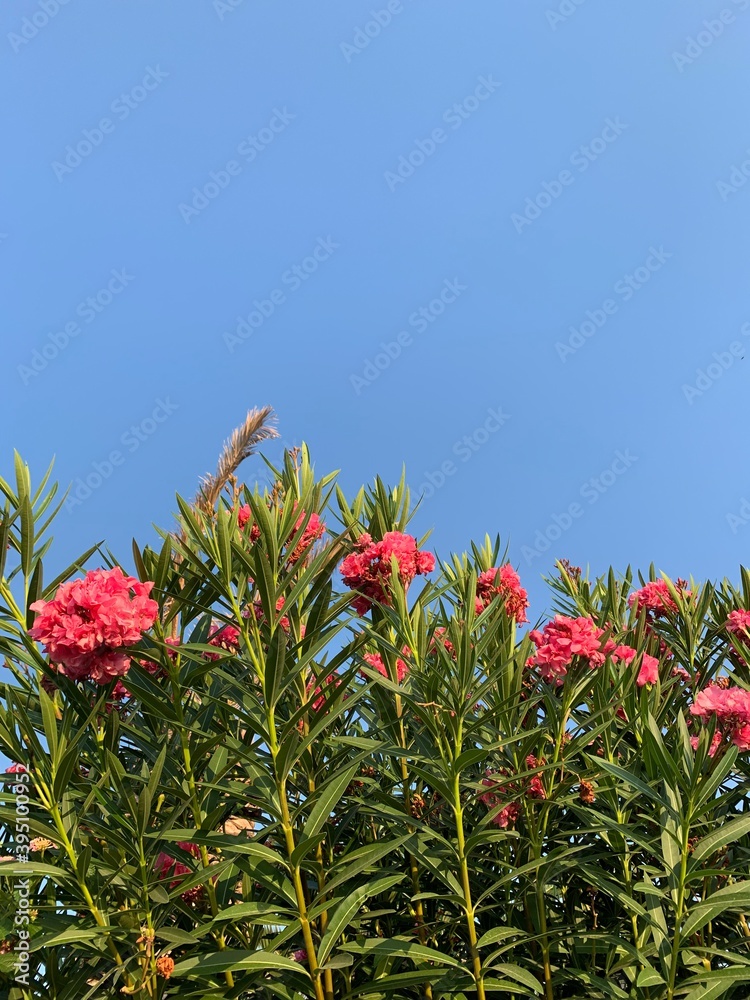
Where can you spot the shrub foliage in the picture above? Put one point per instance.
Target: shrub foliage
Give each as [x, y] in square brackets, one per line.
[329, 766]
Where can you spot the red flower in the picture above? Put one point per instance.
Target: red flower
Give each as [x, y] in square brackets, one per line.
[503, 582]
[16, 769]
[368, 570]
[87, 623]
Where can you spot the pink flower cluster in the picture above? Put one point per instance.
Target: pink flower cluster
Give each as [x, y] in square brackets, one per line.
[225, 637]
[497, 794]
[506, 583]
[368, 569]
[738, 623]
[375, 660]
[314, 529]
[655, 597]
[89, 621]
[560, 641]
[730, 706]
[319, 693]
[565, 638]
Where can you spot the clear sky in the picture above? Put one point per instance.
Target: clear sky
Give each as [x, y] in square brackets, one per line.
[492, 241]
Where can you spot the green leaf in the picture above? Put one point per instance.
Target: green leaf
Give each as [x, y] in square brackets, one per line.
[726, 833]
[327, 798]
[342, 915]
[732, 897]
[234, 961]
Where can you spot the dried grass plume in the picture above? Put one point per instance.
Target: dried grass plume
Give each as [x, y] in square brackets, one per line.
[259, 426]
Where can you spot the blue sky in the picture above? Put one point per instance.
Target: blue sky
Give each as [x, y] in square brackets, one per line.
[570, 216]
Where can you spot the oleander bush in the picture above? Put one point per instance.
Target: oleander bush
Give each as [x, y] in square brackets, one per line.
[295, 754]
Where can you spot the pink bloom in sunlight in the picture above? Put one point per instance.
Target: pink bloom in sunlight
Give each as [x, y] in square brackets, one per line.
[84, 627]
[656, 598]
[506, 583]
[730, 706]
[560, 641]
[368, 569]
[623, 654]
[375, 660]
[649, 672]
[739, 623]
[716, 742]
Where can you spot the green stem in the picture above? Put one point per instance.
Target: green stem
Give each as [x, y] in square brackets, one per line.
[197, 811]
[476, 961]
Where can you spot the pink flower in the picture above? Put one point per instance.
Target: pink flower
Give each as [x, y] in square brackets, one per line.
[300, 955]
[655, 597]
[439, 636]
[563, 639]
[623, 654]
[314, 529]
[16, 769]
[506, 583]
[716, 742]
[225, 637]
[168, 867]
[649, 672]
[739, 623]
[495, 796]
[535, 788]
[368, 569]
[89, 620]
[319, 690]
[731, 708]
[375, 660]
